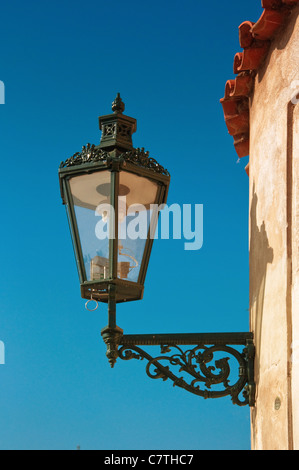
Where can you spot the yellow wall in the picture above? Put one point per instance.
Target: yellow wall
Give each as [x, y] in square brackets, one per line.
[274, 243]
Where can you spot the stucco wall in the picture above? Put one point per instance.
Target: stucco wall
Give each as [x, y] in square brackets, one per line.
[295, 279]
[274, 241]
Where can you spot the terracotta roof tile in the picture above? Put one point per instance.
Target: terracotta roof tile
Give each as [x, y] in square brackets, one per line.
[251, 58]
[268, 24]
[255, 40]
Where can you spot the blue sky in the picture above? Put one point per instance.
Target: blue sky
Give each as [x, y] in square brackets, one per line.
[62, 64]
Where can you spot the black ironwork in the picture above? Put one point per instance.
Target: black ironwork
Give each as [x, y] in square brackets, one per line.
[116, 143]
[89, 154]
[94, 154]
[115, 154]
[205, 365]
[194, 362]
[142, 159]
[206, 361]
[117, 129]
[112, 334]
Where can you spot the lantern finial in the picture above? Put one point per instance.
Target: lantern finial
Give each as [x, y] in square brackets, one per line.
[117, 129]
[118, 106]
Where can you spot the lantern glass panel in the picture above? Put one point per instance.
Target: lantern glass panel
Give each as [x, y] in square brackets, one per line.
[91, 200]
[136, 195]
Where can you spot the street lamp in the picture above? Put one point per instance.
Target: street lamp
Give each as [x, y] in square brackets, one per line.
[103, 187]
[109, 190]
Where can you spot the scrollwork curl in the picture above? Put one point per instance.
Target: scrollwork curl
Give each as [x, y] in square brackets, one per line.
[194, 362]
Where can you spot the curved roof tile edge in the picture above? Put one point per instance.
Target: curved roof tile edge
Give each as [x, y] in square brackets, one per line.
[255, 40]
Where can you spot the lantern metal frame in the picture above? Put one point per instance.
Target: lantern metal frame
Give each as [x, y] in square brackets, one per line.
[116, 153]
[114, 162]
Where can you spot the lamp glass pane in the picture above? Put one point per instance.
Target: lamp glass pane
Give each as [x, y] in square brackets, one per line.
[136, 194]
[91, 200]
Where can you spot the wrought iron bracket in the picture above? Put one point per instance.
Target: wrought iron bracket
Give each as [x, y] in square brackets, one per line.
[204, 368]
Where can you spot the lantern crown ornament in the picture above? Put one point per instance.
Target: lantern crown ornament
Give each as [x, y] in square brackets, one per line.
[105, 188]
[117, 129]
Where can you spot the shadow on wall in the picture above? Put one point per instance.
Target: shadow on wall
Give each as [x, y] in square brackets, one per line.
[261, 254]
[283, 40]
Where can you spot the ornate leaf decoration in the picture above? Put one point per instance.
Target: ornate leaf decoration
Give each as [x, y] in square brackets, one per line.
[194, 363]
[92, 154]
[89, 154]
[141, 158]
